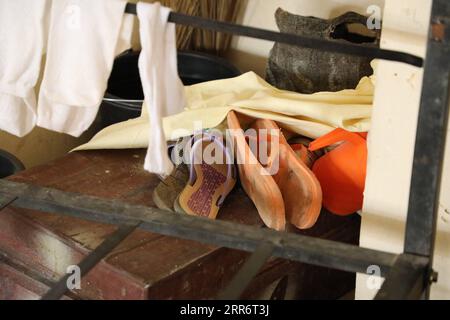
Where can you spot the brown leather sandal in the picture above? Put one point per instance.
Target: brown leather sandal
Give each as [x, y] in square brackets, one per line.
[259, 185]
[301, 191]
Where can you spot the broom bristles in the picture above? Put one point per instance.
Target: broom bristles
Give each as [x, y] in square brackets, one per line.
[189, 38]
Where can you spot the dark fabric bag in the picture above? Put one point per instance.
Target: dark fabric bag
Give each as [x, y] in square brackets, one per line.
[308, 70]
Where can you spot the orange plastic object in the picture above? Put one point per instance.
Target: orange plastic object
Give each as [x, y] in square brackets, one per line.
[342, 171]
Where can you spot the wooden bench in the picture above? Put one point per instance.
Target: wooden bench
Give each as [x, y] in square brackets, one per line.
[37, 247]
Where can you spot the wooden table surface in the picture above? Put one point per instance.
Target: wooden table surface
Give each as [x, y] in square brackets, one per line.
[38, 246]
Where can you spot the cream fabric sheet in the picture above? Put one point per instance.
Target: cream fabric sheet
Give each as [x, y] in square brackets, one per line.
[209, 103]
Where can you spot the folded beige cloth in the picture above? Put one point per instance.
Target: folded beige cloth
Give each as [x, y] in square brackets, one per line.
[208, 104]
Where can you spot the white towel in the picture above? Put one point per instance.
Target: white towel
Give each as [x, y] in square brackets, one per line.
[22, 42]
[84, 38]
[163, 89]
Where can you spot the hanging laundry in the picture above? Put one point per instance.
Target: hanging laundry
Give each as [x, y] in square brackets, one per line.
[23, 38]
[84, 38]
[163, 89]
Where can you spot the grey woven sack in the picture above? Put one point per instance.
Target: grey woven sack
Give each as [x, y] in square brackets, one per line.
[308, 70]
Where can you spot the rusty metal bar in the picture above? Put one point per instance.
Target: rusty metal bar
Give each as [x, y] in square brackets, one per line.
[407, 280]
[289, 246]
[248, 271]
[88, 263]
[292, 39]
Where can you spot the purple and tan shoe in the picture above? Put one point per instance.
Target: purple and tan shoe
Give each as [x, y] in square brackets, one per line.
[210, 180]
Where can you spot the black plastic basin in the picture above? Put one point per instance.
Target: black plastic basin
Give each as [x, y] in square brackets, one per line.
[124, 97]
[9, 164]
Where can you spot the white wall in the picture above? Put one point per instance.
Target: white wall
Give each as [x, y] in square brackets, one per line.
[251, 54]
[40, 146]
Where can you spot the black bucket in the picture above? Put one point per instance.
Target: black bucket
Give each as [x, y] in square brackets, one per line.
[9, 164]
[124, 97]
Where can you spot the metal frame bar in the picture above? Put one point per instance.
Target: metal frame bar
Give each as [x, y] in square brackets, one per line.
[407, 280]
[431, 140]
[263, 243]
[409, 275]
[248, 271]
[88, 263]
[306, 42]
[294, 247]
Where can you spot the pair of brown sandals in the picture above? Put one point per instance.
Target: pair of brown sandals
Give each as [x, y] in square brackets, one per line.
[282, 186]
[291, 193]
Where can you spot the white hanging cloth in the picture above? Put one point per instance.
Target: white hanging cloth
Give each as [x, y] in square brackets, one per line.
[84, 38]
[163, 89]
[22, 44]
